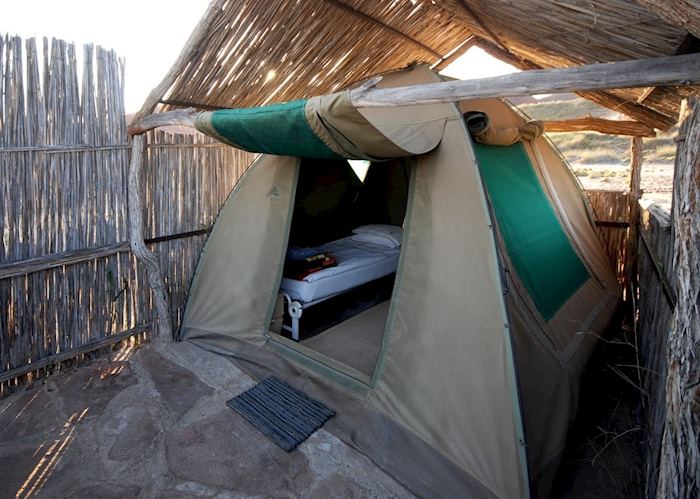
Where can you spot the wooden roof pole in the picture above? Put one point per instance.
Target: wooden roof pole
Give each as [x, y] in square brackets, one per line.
[605, 99]
[636, 156]
[187, 117]
[674, 70]
[600, 125]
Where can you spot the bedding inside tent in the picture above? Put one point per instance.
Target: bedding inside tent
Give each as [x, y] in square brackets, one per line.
[340, 310]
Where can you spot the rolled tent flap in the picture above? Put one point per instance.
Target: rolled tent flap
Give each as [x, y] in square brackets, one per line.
[325, 127]
[483, 132]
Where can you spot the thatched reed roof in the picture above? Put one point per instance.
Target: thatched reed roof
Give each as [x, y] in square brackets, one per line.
[253, 52]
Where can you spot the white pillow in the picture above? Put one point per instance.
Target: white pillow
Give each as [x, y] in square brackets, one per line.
[392, 232]
[377, 239]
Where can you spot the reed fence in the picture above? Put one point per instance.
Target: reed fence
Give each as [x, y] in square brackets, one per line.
[656, 300]
[68, 282]
[612, 212]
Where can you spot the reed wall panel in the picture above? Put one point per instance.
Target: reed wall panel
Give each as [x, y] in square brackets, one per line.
[611, 210]
[64, 157]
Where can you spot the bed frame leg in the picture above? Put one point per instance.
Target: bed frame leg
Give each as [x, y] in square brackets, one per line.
[295, 329]
[295, 310]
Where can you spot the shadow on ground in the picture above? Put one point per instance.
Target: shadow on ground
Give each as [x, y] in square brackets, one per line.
[153, 422]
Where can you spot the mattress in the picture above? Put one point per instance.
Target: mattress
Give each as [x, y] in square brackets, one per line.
[358, 263]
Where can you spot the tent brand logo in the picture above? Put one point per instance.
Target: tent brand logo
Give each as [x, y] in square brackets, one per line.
[274, 192]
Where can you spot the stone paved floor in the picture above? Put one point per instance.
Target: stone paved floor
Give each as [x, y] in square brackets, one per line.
[152, 422]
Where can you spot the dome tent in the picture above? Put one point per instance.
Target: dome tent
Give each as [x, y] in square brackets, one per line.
[500, 280]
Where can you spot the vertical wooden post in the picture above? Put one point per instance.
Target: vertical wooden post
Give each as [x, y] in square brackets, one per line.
[138, 247]
[636, 154]
[679, 469]
[149, 259]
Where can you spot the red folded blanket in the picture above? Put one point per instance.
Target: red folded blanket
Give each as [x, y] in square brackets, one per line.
[299, 269]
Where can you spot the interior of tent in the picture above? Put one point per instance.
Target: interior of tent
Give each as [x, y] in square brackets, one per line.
[343, 251]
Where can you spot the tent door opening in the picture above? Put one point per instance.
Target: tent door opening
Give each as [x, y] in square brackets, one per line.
[343, 251]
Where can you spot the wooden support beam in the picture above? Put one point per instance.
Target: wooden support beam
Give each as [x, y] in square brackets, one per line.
[679, 466]
[631, 109]
[70, 354]
[46, 262]
[636, 155]
[367, 18]
[53, 260]
[193, 45]
[605, 99]
[611, 127]
[187, 117]
[675, 70]
[138, 247]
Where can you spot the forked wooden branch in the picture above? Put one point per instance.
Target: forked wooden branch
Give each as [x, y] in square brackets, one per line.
[183, 117]
[138, 247]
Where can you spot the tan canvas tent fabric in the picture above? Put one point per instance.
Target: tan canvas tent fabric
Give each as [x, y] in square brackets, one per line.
[327, 127]
[476, 380]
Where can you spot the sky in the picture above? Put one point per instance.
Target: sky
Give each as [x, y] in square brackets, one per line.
[149, 35]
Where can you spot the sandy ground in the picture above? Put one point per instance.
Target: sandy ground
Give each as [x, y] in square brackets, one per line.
[153, 422]
[657, 179]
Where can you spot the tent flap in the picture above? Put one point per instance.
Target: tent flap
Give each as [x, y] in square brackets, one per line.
[280, 129]
[326, 127]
